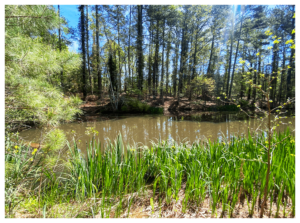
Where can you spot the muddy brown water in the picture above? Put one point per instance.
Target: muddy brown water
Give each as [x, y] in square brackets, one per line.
[144, 129]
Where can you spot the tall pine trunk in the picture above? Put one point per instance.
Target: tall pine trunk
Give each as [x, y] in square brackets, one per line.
[282, 74]
[249, 88]
[119, 70]
[140, 48]
[274, 74]
[155, 68]
[87, 45]
[254, 81]
[236, 53]
[98, 54]
[175, 65]
[194, 59]
[182, 58]
[150, 58]
[226, 70]
[230, 57]
[259, 71]
[168, 62]
[81, 8]
[243, 87]
[128, 48]
[209, 70]
[162, 64]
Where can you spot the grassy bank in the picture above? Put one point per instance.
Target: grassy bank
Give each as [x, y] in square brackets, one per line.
[167, 180]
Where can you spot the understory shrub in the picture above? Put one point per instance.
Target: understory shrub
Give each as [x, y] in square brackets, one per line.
[133, 105]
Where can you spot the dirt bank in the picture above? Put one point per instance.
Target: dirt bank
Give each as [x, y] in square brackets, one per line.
[94, 106]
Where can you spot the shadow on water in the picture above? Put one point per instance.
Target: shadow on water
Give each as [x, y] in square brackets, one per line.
[215, 117]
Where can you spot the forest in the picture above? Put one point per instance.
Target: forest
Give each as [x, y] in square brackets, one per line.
[159, 60]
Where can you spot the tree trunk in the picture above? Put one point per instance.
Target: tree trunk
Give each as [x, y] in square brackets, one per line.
[254, 82]
[168, 62]
[140, 48]
[175, 66]
[150, 58]
[98, 54]
[119, 70]
[249, 90]
[125, 84]
[125, 67]
[155, 73]
[242, 83]
[231, 45]
[274, 74]
[83, 50]
[259, 70]
[226, 70]
[209, 71]
[132, 72]
[194, 60]
[190, 67]
[162, 64]
[87, 45]
[218, 82]
[243, 70]
[236, 53]
[182, 58]
[282, 73]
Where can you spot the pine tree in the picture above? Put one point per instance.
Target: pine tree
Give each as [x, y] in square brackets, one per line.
[33, 91]
[83, 37]
[98, 53]
[140, 62]
[87, 46]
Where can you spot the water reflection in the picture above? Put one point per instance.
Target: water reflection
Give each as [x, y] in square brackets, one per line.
[141, 130]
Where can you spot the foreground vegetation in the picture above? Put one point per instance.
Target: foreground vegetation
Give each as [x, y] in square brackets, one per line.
[107, 182]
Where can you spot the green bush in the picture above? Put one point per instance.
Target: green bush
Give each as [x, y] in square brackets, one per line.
[140, 106]
[124, 108]
[55, 140]
[155, 110]
[134, 105]
[146, 108]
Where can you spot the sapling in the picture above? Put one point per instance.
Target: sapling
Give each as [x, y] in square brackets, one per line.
[271, 124]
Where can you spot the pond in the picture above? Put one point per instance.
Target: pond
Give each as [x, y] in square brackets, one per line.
[144, 129]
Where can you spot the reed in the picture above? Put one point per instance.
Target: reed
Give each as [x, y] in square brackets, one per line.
[226, 172]
[212, 169]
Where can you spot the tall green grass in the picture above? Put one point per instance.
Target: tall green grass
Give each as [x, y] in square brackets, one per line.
[226, 171]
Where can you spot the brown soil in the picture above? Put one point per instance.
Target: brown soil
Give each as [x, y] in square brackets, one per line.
[141, 208]
[170, 105]
[93, 106]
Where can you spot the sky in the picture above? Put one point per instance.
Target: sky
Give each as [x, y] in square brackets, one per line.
[71, 14]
